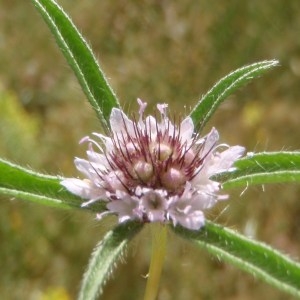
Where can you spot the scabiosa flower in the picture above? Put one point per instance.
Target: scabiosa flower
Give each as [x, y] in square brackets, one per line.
[153, 170]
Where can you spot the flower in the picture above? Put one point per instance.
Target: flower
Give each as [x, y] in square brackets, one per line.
[153, 170]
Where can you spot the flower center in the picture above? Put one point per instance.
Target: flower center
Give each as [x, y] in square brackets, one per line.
[143, 171]
[161, 151]
[152, 154]
[173, 179]
[158, 160]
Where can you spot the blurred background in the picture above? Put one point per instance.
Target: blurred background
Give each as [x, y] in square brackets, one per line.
[160, 51]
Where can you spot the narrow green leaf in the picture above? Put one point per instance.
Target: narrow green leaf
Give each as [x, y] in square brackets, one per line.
[80, 57]
[264, 167]
[25, 184]
[251, 256]
[104, 258]
[226, 86]
[37, 198]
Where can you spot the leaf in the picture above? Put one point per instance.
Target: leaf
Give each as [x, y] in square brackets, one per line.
[21, 183]
[261, 168]
[104, 259]
[251, 256]
[226, 86]
[81, 59]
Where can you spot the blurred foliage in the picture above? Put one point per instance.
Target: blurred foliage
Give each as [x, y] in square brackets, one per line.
[17, 128]
[160, 51]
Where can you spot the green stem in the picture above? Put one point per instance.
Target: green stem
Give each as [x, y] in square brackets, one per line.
[159, 241]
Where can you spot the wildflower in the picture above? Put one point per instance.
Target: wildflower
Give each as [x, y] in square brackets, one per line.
[153, 170]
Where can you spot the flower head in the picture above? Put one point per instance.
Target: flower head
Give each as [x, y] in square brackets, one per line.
[153, 170]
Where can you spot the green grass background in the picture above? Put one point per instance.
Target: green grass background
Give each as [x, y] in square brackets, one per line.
[160, 51]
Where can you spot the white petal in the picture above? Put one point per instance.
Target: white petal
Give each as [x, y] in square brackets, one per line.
[166, 125]
[186, 128]
[193, 220]
[95, 157]
[162, 109]
[143, 106]
[210, 141]
[229, 156]
[223, 161]
[119, 122]
[125, 208]
[82, 188]
[84, 166]
[151, 126]
[203, 200]
[156, 216]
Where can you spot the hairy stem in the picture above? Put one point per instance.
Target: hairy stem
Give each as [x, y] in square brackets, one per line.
[159, 241]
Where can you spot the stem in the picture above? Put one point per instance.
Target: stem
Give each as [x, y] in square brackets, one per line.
[159, 241]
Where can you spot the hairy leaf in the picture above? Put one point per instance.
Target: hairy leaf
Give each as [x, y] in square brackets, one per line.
[226, 86]
[104, 258]
[251, 256]
[264, 167]
[81, 59]
[25, 184]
